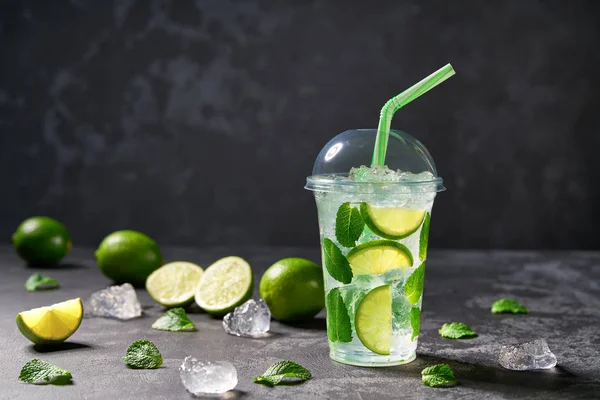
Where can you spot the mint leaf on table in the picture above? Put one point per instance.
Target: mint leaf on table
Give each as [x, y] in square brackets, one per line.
[415, 321]
[283, 369]
[338, 321]
[456, 330]
[349, 225]
[508, 306]
[337, 265]
[424, 237]
[143, 354]
[413, 288]
[174, 320]
[42, 373]
[439, 375]
[40, 282]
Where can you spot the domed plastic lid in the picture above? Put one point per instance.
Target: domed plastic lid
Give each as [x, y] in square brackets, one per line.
[409, 160]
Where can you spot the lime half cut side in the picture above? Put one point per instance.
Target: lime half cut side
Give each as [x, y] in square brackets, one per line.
[174, 284]
[52, 324]
[225, 284]
[378, 257]
[392, 222]
[373, 320]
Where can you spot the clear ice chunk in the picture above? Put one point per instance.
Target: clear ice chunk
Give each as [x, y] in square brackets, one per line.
[252, 318]
[381, 173]
[207, 377]
[525, 356]
[118, 302]
[352, 296]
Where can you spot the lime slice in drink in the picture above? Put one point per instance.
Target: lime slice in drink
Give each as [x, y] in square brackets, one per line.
[52, 324]
[378, 257]
[224, 285]
[373, 320]
[174, 284]
[392, 222]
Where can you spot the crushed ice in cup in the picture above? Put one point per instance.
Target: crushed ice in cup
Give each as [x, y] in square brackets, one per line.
[381, 173]
[208, 377]
[252, 318]
[525, 356]
[118, 302]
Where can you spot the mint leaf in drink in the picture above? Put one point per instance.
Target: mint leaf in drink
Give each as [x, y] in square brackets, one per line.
[338, 321]
[349, 225]
[337, 265]
[456, 330]
[439, 375]
[413, 288]
[283, 369]
[40, 282]
[42, 373]
[508, 306]
[143, 354]
[424, 237]
[174, 320]
[415, 321]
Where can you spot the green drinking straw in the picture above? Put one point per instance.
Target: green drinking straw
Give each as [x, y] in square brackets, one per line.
[395, 103]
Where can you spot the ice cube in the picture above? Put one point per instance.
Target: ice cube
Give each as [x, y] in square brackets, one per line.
[352, 296]
[207, 377]
[118, 302]
[381, 173]
[401, 312]
[526, 356]
[376, 173]
[252, 318]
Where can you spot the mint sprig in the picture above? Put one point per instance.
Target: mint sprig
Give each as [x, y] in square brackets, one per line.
[415, 321]
[338, 321]
[143, 354]
[40, 282]
[42, 373]
[508, 306]
[174, 320]
[349, 225]
[281, 370]
[456, 330]
[439, 375]
[337, 265]
[413, 288]
[424, 237]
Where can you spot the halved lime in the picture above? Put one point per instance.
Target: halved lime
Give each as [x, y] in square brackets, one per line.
[52, 324]
[392, 222]
[378, 257]
[174, 284]
[373, 320]
[224, 285]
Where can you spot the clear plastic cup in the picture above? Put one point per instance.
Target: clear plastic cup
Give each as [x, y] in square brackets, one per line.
[381, 301]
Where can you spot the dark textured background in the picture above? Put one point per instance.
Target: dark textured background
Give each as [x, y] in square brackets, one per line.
[168, 117]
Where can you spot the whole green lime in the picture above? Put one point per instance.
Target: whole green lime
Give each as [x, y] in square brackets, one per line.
[128, 256]
[41, 240]
[293, 289]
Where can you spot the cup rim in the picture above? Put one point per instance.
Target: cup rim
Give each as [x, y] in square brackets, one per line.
[329, 183]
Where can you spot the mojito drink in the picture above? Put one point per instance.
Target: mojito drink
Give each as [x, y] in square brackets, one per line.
[374, 228]
[374, 248]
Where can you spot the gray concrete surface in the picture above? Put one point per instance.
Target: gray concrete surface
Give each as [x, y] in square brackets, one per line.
[560, 288]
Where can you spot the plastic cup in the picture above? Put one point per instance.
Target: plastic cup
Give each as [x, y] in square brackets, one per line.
[382, 299]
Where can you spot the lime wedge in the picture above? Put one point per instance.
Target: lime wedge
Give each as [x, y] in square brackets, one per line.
[174, 284]
[378, 257]
[392, 222]
[52, 324]
[373, 320]
[226, 284]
